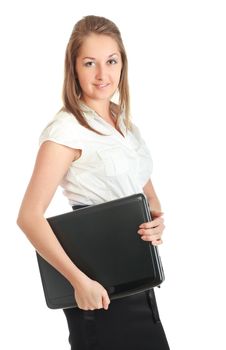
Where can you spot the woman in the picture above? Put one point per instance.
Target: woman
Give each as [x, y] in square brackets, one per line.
[93, 150]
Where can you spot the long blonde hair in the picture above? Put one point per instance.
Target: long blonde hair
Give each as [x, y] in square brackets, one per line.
[71, 87]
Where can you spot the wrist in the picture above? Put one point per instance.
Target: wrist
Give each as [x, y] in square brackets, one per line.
[77, 278]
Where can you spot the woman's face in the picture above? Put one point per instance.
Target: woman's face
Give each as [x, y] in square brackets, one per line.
[98, 67]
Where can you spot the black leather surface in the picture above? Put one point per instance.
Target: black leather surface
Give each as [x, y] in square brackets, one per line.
[103, 242]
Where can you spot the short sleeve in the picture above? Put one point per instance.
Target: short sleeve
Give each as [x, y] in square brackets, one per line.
[62, 129]
[144, 157]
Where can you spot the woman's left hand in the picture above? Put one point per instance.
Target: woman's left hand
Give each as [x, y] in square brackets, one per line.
[152, 231]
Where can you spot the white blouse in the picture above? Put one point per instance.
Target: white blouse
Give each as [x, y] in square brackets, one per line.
[110, 167]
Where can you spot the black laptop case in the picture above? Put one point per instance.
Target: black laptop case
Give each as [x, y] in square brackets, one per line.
[103, 242]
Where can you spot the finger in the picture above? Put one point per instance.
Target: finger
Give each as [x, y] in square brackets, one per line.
[86, 308]
[156, 230]
[151, 238]
[157, 242]
[153, 223]
[152, 231]
[105, 301]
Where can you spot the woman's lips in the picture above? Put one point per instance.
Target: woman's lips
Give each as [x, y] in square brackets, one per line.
[101, 86]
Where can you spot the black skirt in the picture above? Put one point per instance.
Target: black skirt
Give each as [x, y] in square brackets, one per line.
[130, 322]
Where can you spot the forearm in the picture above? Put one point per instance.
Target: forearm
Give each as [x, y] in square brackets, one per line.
[154, 204]
[152, 197]
[40, 234]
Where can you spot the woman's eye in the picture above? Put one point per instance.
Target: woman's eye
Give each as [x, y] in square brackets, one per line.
[89, 64]
[112, 61]
[92, 63]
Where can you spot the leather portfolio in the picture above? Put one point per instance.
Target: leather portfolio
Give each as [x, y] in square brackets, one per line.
[103, 242]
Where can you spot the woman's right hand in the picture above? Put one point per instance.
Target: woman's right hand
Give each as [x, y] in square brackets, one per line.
[90, 294]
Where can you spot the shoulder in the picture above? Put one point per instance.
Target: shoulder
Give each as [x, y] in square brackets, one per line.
[63, 128]
[65, 119]
[62, 120]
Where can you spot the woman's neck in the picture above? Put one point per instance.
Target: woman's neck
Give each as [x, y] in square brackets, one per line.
[102, 109]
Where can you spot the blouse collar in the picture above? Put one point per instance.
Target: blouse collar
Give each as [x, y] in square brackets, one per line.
[91, 114]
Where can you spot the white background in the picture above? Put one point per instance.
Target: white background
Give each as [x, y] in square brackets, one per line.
[177, 56]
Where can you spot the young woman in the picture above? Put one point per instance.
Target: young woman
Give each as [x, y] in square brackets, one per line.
[93, 150]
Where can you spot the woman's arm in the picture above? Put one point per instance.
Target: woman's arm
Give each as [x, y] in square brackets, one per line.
[152, 231]
[152, 198]
[53, 161]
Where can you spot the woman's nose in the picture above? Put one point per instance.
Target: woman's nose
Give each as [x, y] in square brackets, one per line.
[100, 72]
